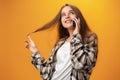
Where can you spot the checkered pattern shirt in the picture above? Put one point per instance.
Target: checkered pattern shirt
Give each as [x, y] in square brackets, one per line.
[83, 58]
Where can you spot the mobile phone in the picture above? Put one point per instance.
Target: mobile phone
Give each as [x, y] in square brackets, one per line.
[74, 24]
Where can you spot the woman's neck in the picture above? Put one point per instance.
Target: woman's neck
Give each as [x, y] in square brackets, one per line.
[70, 35]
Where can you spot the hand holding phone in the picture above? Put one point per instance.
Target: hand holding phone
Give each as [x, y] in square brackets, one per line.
[76, 25]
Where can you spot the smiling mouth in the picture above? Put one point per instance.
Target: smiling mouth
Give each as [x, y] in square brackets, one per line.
[68, 21]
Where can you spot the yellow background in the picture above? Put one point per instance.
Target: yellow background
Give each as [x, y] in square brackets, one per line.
[19, 17]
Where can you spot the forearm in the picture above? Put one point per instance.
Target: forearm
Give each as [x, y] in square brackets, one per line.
[37, 60]
[42, 65]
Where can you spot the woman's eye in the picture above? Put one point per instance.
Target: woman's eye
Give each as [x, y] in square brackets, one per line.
[63, 14]
[72, 12]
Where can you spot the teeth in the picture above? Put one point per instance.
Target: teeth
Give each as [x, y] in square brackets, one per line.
[67, 21]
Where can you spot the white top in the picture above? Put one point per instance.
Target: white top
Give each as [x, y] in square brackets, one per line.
[63, 65]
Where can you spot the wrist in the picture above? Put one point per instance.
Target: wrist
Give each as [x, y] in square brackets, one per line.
[35, 50]
[75, 32]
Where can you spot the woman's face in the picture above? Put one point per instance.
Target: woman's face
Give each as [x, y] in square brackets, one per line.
[67, 16]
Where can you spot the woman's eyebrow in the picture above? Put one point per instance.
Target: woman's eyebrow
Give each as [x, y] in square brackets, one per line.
[71, 11]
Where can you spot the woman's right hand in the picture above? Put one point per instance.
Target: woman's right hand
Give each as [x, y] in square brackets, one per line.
[30, 44]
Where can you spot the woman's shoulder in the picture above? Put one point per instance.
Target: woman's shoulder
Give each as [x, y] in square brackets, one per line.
[60, 41]
[91, 36]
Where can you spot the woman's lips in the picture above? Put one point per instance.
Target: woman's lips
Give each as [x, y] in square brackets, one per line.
[68, 21]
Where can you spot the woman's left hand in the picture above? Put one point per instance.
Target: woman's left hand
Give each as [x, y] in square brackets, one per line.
[77, 27]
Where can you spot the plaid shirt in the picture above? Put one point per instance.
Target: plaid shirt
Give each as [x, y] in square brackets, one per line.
[83, 58]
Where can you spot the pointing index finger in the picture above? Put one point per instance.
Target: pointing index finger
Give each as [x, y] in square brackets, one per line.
[28, 36]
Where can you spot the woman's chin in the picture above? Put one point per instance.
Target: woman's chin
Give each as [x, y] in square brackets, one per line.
[69, 27]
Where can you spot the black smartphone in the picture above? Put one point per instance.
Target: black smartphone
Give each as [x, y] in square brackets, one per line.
[74, 25]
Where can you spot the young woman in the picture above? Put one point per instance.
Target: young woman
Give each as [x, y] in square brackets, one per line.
[74, 55]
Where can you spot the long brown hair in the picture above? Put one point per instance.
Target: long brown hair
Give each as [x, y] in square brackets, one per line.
[63, 33]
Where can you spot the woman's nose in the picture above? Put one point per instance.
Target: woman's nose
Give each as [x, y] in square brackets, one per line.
[67, 16]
